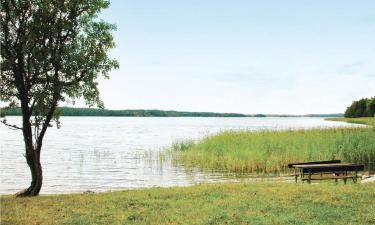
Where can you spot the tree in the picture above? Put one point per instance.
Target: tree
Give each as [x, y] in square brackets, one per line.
[371, 107]
[362, 108]
[51, 51]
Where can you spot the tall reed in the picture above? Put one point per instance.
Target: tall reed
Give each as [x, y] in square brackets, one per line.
[271, 151]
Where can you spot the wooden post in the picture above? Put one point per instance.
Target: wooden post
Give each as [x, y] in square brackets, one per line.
[302, 175]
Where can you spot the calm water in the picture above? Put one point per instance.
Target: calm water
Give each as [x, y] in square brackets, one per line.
[107, 153]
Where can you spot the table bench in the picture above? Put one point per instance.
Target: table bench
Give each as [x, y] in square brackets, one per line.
[338, 170]
[292, 165]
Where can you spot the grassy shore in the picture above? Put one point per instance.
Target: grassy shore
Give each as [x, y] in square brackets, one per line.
[231, 203]
[364, 120]
[271, 151]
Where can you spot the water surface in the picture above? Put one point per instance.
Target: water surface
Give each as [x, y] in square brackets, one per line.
[107, 153]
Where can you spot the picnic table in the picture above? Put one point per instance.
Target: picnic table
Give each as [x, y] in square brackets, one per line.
[325, 170]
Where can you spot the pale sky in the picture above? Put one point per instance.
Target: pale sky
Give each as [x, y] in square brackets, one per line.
[274, 57]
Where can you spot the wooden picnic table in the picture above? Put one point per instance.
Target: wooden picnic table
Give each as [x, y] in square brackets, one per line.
[337, 170]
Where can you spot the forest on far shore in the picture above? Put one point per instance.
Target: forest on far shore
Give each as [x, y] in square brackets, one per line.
[364, 107]
[70, 111]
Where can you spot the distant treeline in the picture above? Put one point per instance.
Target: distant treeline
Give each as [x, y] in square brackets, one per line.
[68, 111]
[326, 115]
[364, 107]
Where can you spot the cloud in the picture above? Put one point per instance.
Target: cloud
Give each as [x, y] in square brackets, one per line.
[350, 68]
[368, 19]
[359, 68]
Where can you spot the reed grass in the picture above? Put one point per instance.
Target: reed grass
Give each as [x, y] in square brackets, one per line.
[271, 151]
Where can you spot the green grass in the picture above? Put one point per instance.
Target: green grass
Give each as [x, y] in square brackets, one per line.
[230, 203]
[271, 151]
[363, 120]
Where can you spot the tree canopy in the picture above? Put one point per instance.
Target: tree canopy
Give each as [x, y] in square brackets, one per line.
[364, 107]
[51, 51]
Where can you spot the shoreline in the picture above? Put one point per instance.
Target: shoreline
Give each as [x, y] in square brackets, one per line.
[370, 121]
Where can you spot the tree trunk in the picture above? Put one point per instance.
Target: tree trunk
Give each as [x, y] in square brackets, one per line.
[33, 160]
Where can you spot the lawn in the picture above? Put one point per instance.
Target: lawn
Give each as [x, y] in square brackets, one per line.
[230, 203]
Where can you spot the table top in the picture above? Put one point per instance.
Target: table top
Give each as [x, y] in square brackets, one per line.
[338, 165]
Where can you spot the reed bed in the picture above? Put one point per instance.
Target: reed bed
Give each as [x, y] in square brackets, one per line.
[270, 151]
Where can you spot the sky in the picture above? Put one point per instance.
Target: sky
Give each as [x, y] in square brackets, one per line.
[273, 57]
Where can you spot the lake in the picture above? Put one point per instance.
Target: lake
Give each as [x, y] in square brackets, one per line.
[110, 153]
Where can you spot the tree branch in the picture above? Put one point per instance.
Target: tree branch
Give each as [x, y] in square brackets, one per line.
[10, 126]
[48, 118]
[76, 79]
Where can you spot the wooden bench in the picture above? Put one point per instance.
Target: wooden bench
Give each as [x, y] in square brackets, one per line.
[338, 170]
[292, 165]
